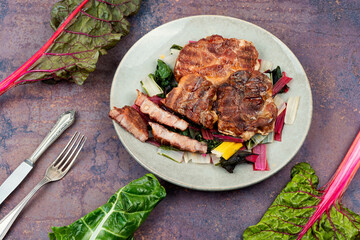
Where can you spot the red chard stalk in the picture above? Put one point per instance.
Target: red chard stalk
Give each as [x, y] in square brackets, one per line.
[85, 29]
[301, 211]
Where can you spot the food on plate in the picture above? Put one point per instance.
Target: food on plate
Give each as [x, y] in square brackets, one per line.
[131, 120]
[216, 58]
[193, 98]
[216, 103]
[245, 105]
[239, 157]
[302, 211]
[159, 115]
[166, 137]
[291, 109]
[120, 217]
[227, 149]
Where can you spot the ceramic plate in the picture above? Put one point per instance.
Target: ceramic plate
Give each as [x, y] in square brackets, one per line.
[140, 60]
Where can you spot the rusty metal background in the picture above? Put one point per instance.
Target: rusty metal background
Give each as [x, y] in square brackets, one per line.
[324, 35]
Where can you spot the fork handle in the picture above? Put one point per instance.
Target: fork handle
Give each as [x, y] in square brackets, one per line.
[9, 219]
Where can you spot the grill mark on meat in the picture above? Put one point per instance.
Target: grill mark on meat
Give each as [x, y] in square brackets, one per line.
[182, 142]
[245, 105]
[216, 58]
[193, 98]
[131, 121]
[156, 113]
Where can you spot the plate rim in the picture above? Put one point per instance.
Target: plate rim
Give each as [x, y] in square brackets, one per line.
[185, 185]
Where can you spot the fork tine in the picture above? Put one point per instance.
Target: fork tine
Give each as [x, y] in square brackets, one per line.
[62, 156]
[66, 167]
[71, 152]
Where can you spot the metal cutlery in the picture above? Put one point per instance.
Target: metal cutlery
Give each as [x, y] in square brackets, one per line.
[54, 172]
[65, 120]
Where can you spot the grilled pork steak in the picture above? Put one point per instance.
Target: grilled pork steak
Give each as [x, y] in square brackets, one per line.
[193, 98]
[245, 105]
[215, 58]
[131, 120]
[158, 114]
[182, 142]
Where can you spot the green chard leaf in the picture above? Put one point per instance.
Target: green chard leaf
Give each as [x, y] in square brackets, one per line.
[85, 29]
[164, 77]
[238, 158]
[177, 47]
[119, 218]
[98, 27]
[276, 74]
[294, 206]
[163, 71]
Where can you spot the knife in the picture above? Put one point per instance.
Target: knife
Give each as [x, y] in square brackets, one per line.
[19, 174]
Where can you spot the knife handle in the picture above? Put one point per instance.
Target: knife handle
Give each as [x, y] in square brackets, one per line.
[9, 219]
[65, 120]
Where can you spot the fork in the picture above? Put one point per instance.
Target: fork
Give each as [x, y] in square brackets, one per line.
[54, 172]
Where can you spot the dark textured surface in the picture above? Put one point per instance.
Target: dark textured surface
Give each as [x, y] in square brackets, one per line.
[324, 35]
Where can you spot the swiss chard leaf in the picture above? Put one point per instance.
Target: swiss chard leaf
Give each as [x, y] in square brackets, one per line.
[293, 207]
[238, 158]
[120, 216]
[177, 47]
[85, 29]
[164, 77]
[276, 74]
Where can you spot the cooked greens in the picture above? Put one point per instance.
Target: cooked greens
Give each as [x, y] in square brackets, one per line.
[164, 77]
[176, 47]
[239, 157]
[119, 218]
[276, 75]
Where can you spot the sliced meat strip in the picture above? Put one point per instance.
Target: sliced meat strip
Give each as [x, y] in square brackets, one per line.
[159, 115]
[182, 142]
[130, 120]
[245, 105]
[193, 98]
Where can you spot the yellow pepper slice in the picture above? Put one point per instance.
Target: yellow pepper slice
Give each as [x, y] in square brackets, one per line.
[232, 150]
[227, 149]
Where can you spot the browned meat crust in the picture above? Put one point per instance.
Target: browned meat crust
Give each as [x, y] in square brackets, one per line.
[131, 120]
[215, 58]
[193, 98]
[167, 137]
[158, 114]
[245, 105]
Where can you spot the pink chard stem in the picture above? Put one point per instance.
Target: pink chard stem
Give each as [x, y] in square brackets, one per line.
[11, 80]
[338, 184]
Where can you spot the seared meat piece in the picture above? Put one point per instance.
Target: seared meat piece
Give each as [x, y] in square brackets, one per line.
[158, 114]
[193, 98]
[245, 105]
[215, 58]
[182, 142]
[131, 120]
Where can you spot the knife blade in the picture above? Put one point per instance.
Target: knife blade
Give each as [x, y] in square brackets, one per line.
[64, 121]
[15, 179]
